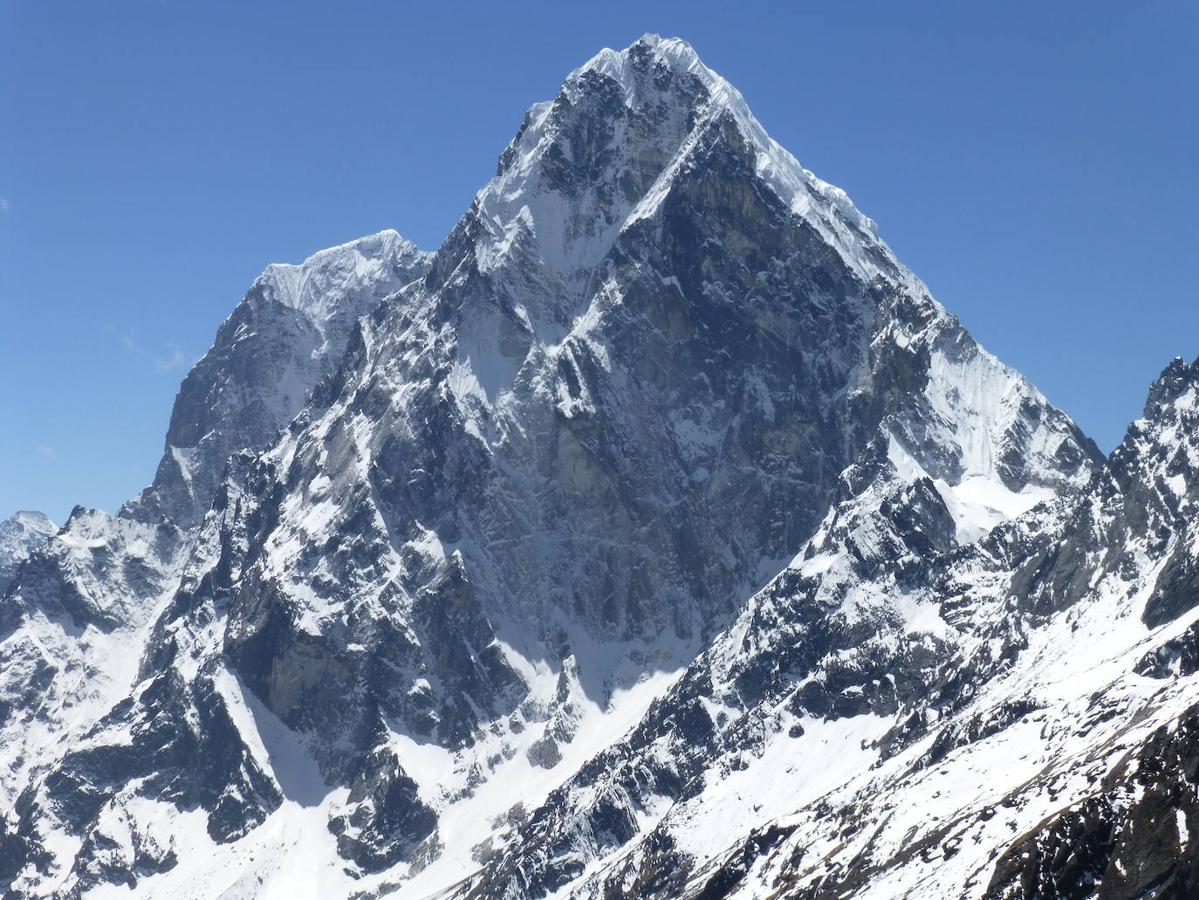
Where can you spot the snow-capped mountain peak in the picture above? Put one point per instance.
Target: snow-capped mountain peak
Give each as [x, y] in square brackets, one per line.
[284, 338]
[20, 534]
[635, 118]
[319, 286]
[658, 506]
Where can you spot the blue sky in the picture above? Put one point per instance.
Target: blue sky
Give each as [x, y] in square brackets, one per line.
[1033, 162]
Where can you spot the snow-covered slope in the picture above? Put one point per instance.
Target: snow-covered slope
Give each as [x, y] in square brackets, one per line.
[1053, 752]
[20, 534]
[493, 604]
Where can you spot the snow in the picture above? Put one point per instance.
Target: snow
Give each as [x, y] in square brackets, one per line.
[978, 504]
[1078, 669]
[20, 536]
[515, 782]
[787, 774]
[290, 855]
[979, 501]
[317, 287]
[32, 520]
[91, 668]
[826, 207]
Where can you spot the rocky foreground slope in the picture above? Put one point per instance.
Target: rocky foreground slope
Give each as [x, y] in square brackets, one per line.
[659, 535]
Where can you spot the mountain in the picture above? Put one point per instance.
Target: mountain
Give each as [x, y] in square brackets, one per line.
[541, 480]
[1051, 752]
[75, 618]
[659, 535]
[282, 340]
[20, 534]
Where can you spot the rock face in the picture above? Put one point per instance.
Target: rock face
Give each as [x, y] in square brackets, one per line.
[660, 535]
[20, 534]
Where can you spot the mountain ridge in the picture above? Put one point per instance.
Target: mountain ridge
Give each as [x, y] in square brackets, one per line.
[88, 596]
[660, 473]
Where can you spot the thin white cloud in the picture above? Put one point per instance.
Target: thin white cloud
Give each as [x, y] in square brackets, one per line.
[173, 359]
[48, 452]
[170, 363]
[4, 207]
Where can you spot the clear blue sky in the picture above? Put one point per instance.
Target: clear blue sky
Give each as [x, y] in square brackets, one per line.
[1035, 163]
